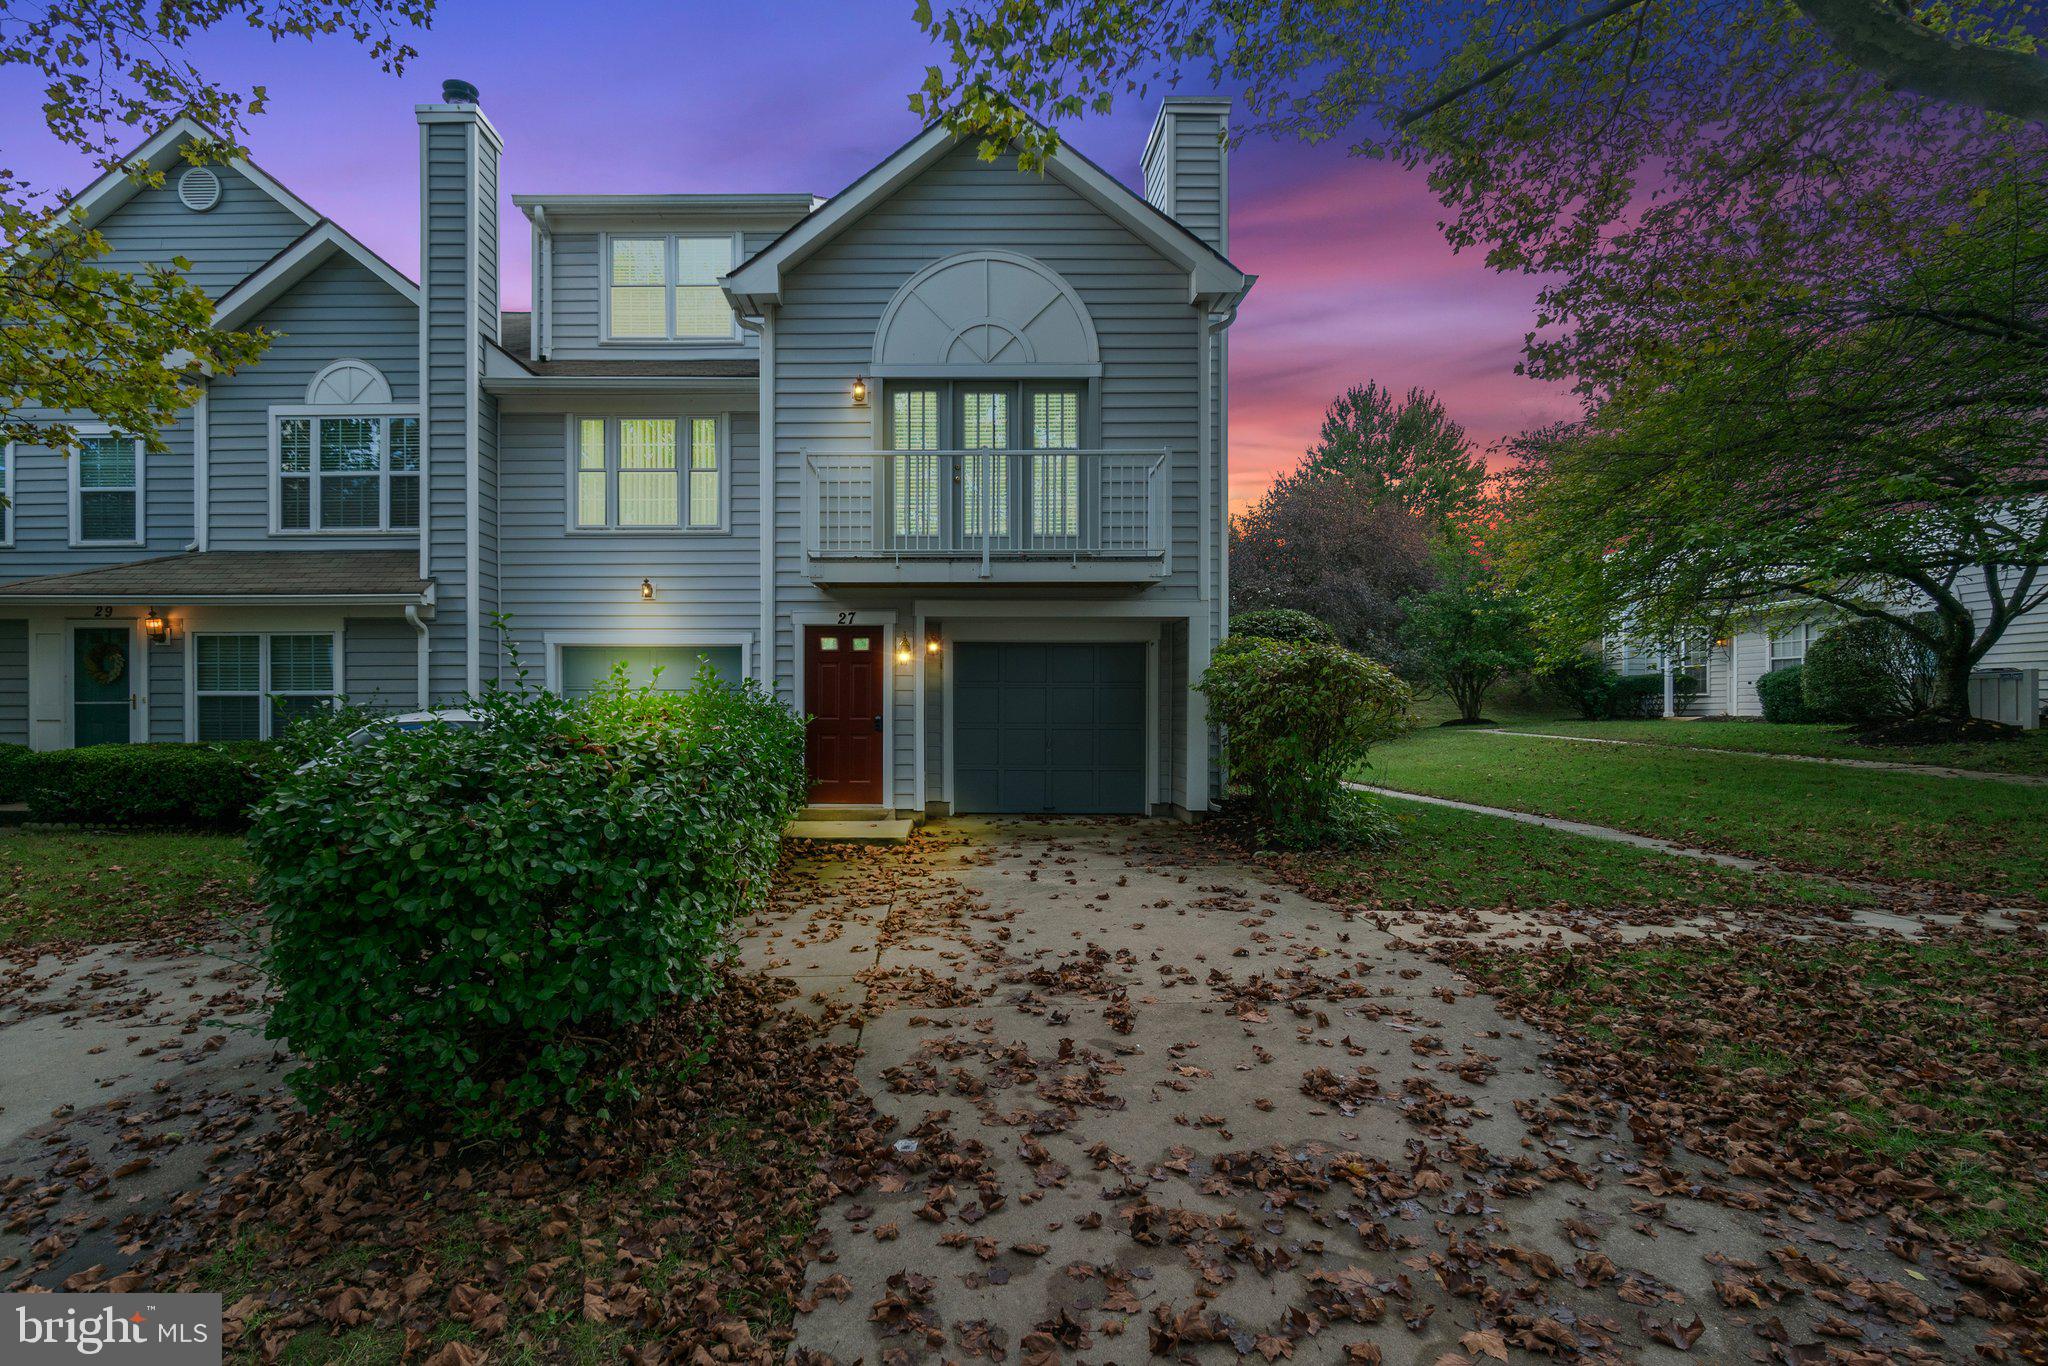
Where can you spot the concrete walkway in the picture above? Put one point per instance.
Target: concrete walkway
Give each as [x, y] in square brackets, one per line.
[1882, 765]
[1149, 1103]
[1596, 832]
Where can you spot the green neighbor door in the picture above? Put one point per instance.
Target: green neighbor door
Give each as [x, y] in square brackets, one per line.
[1057, 728]
[102, 687]
[668, 667]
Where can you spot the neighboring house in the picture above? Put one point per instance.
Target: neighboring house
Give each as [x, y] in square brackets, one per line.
[2011, 682]
[940, 460]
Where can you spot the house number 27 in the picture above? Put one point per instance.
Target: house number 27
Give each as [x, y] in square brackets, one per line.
[846, 618]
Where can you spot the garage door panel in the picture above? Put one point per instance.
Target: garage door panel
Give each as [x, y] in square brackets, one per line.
[1049, 727]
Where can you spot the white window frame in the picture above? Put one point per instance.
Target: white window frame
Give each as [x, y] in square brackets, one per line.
[626, 638]
[1804, 632]
[266, 710]
[8, 453]
[685, 508]
[313, 412]
[668, 287]
[141, 537]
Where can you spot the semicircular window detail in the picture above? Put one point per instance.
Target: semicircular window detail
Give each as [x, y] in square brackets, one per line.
[349, 382]
[993, 309]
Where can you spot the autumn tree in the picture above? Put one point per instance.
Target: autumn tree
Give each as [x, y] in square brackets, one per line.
[1874, 469]
[1407, 452]
[129, 347]
[1335, 550]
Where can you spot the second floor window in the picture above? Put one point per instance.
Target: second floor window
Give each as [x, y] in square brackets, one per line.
[666, 289]
[630, 474]
[106, 491]
[348, 473]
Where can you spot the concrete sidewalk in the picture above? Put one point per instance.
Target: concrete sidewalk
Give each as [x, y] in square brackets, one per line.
[1149, 1101]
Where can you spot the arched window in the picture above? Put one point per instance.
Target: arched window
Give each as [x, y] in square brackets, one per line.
[348, 382]
[348, 458]
[994, 313]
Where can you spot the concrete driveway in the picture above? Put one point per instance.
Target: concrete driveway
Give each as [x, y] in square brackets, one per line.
[1150, 1103]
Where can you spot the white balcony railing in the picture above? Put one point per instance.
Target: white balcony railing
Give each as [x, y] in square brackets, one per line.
[987, 505]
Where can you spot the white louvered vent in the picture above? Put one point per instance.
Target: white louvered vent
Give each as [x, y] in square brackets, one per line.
[199, 189]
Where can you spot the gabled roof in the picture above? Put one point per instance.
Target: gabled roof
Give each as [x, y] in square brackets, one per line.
[240, 576]
[159, 153]
[758, 279]
[270, 281]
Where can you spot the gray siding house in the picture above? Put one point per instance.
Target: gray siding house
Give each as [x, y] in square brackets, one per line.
[940, 460]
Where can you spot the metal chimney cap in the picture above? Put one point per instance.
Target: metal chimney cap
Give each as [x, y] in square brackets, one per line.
[458, 92]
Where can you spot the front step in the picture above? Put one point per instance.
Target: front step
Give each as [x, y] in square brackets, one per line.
[847, 813]
[840, 829]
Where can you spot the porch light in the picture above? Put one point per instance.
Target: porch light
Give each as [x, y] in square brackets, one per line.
[860, 391]
[156, 627]
[903, 649]
[647, 590]
[931, 644]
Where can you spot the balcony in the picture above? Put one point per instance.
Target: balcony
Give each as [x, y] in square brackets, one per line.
[1026, 517]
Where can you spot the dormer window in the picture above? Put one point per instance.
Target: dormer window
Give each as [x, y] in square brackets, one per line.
[666, 289]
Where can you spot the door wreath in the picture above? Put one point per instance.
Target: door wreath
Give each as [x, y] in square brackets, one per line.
[106, 662]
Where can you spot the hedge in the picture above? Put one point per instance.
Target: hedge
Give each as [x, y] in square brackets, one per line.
[1782, 693]
[203, 787]
[1283, 623]
[1867, 671]
[14, 759]
[1600, 693]
[462, 920]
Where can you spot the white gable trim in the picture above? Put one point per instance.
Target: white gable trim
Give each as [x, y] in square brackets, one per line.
[271, 280]
[758, 280]
[117, 186]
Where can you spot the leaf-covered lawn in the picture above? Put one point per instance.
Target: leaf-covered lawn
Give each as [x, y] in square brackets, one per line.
[2025, 754]
[1867, 1054]
[85, 888]
[1456, 859]
[1961, 833]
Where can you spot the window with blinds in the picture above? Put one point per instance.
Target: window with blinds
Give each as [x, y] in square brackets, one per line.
[253, 686]
[666, 288]
[914, 479]
[106, 491]
[985, 480]
[1055, 479]
[627, 474]
[348, 473]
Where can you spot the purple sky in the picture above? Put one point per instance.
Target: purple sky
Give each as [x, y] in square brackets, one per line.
[1355, 282]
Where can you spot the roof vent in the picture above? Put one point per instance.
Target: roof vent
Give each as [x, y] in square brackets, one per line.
[199, 189]
[458, 92]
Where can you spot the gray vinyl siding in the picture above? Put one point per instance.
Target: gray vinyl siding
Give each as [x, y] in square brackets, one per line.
[166, 691]
[2025, 642]
[1173, 721]
[552, 579]
[42, 509]
[338, 311]
[223, 245]
[447, 325]
[380, 663]
[577, 295]
[13, 683]
[935, 722]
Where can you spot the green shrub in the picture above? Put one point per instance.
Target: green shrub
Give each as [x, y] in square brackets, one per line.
[14, 761]
[201, 787]
[1282, 623]
[1296, 717]
[1585, 682]
[1783, 695]
[463, 921]
[1867, 671]
[1636, 695]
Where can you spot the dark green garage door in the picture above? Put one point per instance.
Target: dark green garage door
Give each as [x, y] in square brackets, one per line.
[1049, 727]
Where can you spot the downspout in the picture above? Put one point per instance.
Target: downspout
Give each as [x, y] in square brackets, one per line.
[544, 285]
[412, 618]
[202, 468]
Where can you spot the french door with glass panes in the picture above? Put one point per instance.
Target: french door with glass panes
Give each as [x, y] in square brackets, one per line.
[1029, 502]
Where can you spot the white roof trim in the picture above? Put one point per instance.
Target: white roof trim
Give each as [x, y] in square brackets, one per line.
[271, 280]
[117, 187]
[759, 279]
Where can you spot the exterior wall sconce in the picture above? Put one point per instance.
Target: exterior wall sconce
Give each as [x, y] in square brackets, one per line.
[860, 391]
[903, 649]
[1722, 642]
[931, 644]
[647, 590]
[156, 626]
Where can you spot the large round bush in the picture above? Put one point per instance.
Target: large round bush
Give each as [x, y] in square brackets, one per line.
[1782, 695]
[1282, 623]
[461, 921]
[1297, 716]
[1866, 671]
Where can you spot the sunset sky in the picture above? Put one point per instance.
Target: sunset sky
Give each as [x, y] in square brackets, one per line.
[1355, 281]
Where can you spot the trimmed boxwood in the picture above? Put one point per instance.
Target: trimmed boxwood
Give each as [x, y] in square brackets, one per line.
[14, 760]
[1782, 693]
[463, 921]
[1865, 672]
[202, 787]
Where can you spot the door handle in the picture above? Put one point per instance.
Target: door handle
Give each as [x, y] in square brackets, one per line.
[878, 720]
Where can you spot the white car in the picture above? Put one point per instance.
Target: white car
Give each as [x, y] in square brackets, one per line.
[414, 720]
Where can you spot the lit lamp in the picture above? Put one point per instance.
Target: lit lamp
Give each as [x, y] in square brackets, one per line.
[931, 645]
[903, 649]
[647, 590]
[156, 627]
[860, 391]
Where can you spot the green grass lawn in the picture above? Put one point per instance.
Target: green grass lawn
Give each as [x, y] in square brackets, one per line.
[2027, 754]
[94, 888]
[1980, 836]
[1922, 1056]
[1451, 859]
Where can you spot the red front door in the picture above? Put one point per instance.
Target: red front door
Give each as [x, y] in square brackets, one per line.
[843, 694]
